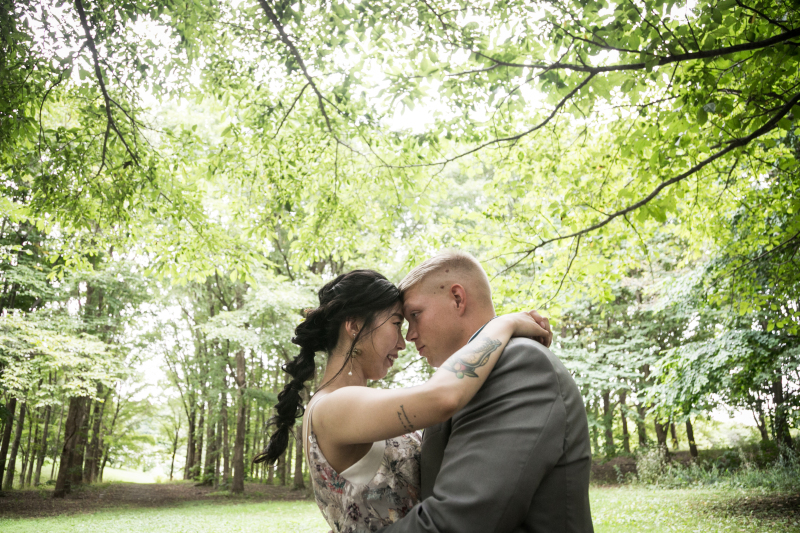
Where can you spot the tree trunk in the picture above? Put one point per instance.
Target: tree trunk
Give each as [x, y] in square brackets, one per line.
[674, 435]
[641, 429]
[8, 484]
[174, 451]
[76, 461]
[56, 445]
[211, 453]
[75, 417]
[690, 438]
[758, 415]
[661, 433]
[31, 453]
[282, 469]
[780, 423]
[12, 406]
[237, 486]
[198, 451]
[298, 460]
[103, 464]
[42, 447]
[218, 454]
[92, 465]
[187, 468]
[608, 418]
[226, 446]
[626, 438]
[595, 432]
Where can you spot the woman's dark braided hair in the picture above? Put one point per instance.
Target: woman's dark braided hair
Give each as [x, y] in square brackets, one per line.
[360, 295]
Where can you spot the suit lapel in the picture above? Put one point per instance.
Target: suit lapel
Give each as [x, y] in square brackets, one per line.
[434, 442]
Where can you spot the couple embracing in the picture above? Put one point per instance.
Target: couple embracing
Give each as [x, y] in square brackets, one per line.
[505, 442]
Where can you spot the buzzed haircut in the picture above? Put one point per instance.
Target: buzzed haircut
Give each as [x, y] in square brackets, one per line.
[456, 261]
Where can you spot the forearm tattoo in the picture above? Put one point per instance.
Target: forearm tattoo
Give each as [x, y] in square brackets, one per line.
[404, 420]
[466, 365]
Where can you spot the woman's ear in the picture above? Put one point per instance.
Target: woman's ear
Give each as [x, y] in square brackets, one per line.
[352, 326]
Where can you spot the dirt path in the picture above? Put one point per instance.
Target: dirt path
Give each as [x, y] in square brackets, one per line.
[35, 503]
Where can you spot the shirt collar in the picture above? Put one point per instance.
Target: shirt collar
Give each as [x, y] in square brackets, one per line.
[478, 332]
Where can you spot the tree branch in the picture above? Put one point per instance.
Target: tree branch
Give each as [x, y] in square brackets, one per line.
[296, 54]
[112, 125]
[737, 143]
[663, 60]
[511, 138]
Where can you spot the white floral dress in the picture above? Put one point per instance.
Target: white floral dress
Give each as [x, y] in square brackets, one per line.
[365, 502]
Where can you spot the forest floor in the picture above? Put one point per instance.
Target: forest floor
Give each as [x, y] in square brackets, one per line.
[40, 502]
[181, 507]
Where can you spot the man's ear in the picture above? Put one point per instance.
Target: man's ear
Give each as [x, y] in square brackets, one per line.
[459, 295]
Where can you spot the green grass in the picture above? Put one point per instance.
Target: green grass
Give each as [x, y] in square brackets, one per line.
[620, 510]
[270, 517]
[631, 509]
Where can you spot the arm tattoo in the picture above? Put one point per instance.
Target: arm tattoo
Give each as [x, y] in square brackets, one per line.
[466, 365]
[404, 421]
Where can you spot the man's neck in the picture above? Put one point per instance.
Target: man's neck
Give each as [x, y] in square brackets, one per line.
[475, 323]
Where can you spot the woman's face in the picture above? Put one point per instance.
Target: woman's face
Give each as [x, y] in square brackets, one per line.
[379, 350]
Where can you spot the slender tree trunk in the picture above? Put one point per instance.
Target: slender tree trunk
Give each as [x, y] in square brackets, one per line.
[198, 452]
[674, 435]
[75, 417]
[237, 486]
[42, 447]
[641, 429]
[661, 433]
[608, 418]
[758, 415]
[103, 464]
[31, 453]
[57, 443]
[298, 460]
[226, 442]
[282, 469]
[211, 452]
[218, 454]
[187, 468]
[690, 438]
[626, 438]
[174, 451]
[595, 431]
[12, 406]
[780, 423]
[8, 483]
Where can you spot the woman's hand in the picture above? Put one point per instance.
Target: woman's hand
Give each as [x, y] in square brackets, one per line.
[530, 324]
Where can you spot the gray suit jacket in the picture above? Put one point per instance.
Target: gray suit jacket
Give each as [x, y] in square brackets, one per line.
[515, 459]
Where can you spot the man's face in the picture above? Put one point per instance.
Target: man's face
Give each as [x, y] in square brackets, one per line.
[433, 326]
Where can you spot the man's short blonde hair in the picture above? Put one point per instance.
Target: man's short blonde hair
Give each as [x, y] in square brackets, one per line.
[456, 261]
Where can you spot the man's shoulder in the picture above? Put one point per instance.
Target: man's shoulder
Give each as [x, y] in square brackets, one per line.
[527, 353]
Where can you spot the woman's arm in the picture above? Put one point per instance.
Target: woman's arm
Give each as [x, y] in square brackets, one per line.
[360, 415]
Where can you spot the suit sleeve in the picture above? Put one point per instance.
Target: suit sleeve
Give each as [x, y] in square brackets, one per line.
[502, 444]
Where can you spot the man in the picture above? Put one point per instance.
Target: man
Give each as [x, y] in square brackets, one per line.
[517, 457]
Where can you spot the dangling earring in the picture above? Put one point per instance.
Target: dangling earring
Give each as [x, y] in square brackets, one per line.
[353, 352]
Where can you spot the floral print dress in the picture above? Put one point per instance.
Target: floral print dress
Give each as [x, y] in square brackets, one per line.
[356, 507]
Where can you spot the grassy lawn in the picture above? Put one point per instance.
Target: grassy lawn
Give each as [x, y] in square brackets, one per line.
[635, 509]
[619, 510]
[195, 517]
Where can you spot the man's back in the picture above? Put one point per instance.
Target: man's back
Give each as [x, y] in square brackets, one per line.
[516, 458]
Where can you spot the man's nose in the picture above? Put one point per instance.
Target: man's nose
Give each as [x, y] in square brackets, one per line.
[412, 333]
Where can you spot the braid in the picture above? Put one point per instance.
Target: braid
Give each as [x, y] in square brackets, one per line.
[360, 293]
[310, 336]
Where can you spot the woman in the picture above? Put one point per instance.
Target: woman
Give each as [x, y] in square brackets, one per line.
[361, 442]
